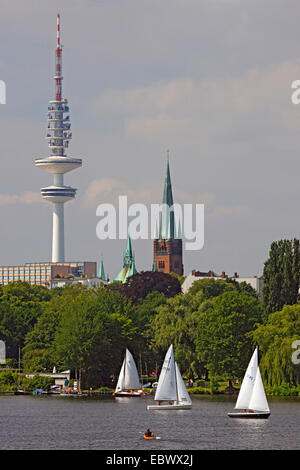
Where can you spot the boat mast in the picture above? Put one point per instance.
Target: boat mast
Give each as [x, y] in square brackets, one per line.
[19, 372]
[141, 370]
[174, 364]
[124, 381]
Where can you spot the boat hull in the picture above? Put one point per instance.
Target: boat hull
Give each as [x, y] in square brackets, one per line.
[73, 395]
[169, 407]
[246, 415]
[128, 394]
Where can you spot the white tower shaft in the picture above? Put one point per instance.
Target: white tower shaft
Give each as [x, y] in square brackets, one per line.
[58, 234]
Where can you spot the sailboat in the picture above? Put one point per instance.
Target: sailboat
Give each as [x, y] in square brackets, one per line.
[171, 392]
[252, 397]
[128, 384]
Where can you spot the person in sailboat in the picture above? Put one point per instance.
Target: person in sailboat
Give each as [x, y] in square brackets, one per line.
[148, 433]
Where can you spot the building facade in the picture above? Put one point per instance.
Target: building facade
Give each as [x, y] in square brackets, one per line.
[255, 282]
[44, 274]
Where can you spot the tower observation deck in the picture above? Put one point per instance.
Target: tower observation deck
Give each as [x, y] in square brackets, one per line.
[58, 163]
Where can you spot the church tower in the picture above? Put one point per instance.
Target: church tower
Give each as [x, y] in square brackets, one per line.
[167, 247]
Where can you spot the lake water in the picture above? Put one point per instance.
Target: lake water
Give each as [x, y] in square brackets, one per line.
[49, 422]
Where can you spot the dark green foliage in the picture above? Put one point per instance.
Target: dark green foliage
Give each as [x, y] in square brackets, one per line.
[214, 327]
[84, 330]
[214, 314]
[221, 340]
[138, 286]
[20, 306]
[211, 287]
[8, 377]
[275, 339]
[181, 279]
[281, 275]
[37, 382]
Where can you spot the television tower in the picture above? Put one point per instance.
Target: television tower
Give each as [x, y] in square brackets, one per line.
[58, 163]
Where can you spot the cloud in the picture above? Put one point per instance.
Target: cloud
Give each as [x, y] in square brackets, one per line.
[160, 126]
[159, 96]
[228, 211]
[108, 190]
[27, 197]
[184, 108]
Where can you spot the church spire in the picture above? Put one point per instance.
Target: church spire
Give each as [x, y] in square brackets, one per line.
[128, 258]
[168, 196]
[101, 271]
[166, 228]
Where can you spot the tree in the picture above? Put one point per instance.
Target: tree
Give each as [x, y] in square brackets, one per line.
[38, 353]
[275, 339]
[180, 278]
[242, 287]
[20, 307]
[139, 285]
[92, 334]
[141, 316]
[221, 340]
[281, 275]
[211, 287]
[176, 323]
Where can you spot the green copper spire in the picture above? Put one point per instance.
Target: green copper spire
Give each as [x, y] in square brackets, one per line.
[131, 270]
[155, 266]
[101, 271]
[128, 258]
[166, 222]
[168, 196]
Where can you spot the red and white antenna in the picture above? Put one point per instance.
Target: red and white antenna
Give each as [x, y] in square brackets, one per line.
[58, 63]
[58, 31]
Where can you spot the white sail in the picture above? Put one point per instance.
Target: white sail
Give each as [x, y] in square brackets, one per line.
[258, 400]
[183, 396]
[120, 384]
[246, 389]
[128, 378]
[131, 376]
[167, 387]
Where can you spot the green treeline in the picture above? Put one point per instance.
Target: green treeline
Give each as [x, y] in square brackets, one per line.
[214, 327]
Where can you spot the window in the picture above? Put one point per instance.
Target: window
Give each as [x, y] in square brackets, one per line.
[161, 264]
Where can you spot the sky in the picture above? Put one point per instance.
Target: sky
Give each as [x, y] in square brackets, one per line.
[210, 80]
